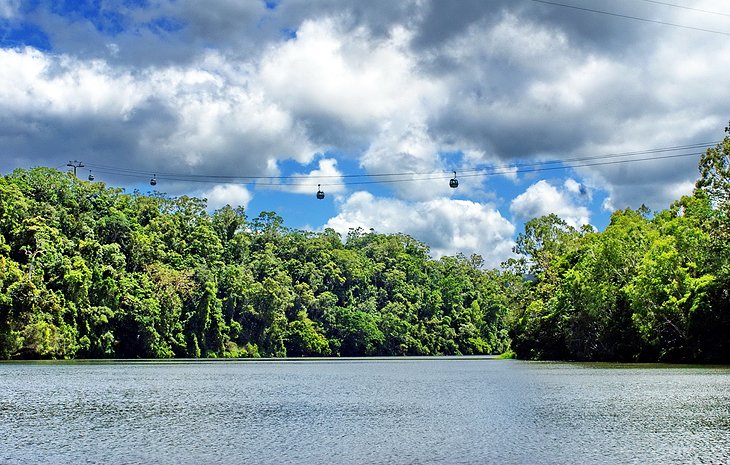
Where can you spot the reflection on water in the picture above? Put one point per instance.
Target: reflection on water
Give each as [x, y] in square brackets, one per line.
[470, 410]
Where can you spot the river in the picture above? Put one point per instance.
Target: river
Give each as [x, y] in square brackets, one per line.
[392, 410]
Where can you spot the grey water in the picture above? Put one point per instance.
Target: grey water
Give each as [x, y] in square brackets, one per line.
[393, 410]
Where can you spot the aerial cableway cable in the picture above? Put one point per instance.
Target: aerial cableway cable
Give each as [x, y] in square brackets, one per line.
[662, 153]
[684, 7]
[215, 178]
[631, 17]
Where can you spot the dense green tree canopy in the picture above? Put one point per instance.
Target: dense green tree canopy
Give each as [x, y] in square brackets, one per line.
[89, 271]
[645, 289]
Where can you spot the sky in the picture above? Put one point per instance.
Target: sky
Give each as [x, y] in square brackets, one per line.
[572, 107]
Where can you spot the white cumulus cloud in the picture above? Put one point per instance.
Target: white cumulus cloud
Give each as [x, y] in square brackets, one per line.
[347, 85]
[448, 226]
[327, 176]
[202, 119]
[227, 194]
[542, 198]
[345, 75]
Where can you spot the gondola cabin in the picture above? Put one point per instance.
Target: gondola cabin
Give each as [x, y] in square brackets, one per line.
[453, 182]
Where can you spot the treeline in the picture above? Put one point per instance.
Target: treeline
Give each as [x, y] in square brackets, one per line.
[645, 289]
[89, 271]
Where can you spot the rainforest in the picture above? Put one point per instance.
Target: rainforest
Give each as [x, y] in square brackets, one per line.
[88, 271]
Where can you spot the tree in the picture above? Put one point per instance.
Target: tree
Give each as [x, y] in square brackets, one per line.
[305, 338]
[714, 168]
[90, 271]
[544, 240]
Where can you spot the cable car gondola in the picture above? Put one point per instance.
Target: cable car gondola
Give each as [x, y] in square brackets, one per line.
[91, 176]
[320, 194]
[453, 182]
[153, 181]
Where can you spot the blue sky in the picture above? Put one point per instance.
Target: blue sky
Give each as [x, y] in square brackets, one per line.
[539, 108]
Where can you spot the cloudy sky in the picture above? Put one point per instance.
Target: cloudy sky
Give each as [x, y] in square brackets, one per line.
[573, 107]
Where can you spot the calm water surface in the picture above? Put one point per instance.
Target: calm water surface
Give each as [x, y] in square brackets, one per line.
[363, 411]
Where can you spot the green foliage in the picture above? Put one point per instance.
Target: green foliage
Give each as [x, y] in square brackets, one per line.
[87, 271]
[645, 289]
[715, 174]
[508, 354]
[304, 338]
